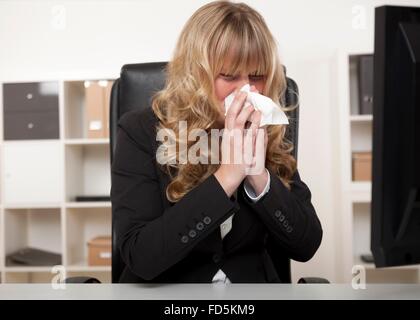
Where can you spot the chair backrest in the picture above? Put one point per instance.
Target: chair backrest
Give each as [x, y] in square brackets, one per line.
[134, 89]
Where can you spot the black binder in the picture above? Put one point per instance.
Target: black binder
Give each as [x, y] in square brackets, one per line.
[33, 257]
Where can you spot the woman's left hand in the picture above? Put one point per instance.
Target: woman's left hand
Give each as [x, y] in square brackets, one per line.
[258, 176]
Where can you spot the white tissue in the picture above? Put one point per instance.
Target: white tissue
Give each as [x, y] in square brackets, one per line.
[271, 112]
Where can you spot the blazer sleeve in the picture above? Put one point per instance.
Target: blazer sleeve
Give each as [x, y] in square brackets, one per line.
[290, 217]
[150, 238]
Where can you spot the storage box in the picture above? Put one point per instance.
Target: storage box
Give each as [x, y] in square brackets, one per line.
[94, 109]
[31, 111]
[100, 251]
[97, 95]
[362, 166]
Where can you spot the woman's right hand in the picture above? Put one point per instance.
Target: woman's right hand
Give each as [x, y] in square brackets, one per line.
[237, 143]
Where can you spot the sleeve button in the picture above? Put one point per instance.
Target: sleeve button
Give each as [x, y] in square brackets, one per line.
[184, 239]
[277, 213]
[192, 233]
[289, 229]
[286, 223]
[207, 220]
[281, 219]
[200, 226]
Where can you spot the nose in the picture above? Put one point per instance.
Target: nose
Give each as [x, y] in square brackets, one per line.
[243, 81]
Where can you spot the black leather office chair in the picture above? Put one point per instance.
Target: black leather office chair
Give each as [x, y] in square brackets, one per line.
[134, 90]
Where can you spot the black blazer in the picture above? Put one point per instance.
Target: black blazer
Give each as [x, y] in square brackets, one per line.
[163, 242]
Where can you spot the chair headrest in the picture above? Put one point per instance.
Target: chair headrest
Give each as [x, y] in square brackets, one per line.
[138, 82]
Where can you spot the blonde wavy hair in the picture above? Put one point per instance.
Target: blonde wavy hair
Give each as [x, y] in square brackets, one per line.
[203, 46]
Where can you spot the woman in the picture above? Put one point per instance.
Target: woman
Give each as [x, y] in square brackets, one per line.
[211, 221]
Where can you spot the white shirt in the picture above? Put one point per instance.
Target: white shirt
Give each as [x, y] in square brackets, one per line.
[225, 227]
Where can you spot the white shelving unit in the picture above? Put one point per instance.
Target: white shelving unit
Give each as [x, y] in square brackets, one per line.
[355, 134]
[39, 182]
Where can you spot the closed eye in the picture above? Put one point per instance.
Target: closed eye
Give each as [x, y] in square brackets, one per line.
[252, 77]
[256, 77]
[228, 77]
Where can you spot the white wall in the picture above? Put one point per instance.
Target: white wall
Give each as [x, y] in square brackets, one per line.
[100, 36]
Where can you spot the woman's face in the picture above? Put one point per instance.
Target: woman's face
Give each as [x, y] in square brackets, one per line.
[225, 84]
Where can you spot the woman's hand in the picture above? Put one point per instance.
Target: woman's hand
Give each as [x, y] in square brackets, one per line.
[238, 144]
[257, 176]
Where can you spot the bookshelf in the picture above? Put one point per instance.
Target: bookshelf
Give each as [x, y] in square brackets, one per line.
[39, 181]
[355, 135]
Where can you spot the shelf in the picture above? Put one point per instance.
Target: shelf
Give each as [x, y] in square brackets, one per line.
[371, 266]
[361, 192]
[101, 204]
[86, 141]
[90, 223]
[45, 274]
[27, 165]
[28, 269]
[86, 101]
[33, 206]
[34, 275]
[28, 227]
[104, 276]
[47, 270]
[361, 117]
[82, 267]
[88, 170]
[25, 142]
[361, 135]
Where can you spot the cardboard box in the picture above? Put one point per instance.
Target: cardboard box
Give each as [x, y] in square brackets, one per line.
[97, 97]
[94, 99]
[106, 105]
[362, 166]
[100, 251]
